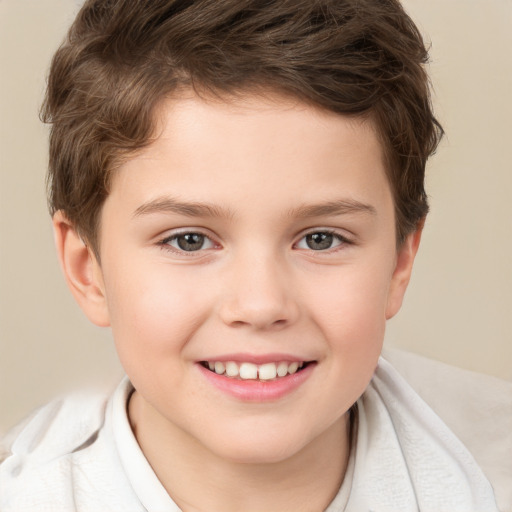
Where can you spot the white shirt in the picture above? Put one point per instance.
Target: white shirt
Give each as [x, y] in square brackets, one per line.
[80, 454]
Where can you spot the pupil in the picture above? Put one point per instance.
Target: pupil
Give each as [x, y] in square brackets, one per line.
[190, 241]
[319, 241]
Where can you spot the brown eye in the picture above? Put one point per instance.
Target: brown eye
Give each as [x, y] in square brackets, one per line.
[321, 241]
[189, 242]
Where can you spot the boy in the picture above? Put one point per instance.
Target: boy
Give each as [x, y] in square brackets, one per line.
[237, 190]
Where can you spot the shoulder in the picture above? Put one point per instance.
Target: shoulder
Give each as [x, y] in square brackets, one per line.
[54, 458]
[477, 408]
[56, 428]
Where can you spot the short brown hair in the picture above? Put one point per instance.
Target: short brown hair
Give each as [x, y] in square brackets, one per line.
[121, 57]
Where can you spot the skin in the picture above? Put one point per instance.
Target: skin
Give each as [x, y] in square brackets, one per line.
[266, 167]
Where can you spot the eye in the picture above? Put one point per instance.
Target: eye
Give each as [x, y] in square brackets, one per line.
[321, 241]
[188, 242]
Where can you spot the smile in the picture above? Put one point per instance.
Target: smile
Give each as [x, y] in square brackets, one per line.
[251, 371]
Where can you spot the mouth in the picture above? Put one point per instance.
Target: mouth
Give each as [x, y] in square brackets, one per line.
[259, 372]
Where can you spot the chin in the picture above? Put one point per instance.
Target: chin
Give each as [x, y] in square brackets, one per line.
[257, 454]
[258, 444]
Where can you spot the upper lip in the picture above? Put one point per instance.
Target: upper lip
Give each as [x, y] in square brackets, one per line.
[257, 359]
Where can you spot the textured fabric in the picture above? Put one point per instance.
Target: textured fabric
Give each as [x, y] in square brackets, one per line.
[80, 454]
[408, 459]
[64, 460]
[476, 407]
[139, 475]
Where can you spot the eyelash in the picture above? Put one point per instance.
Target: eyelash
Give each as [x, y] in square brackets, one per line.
[165, 243]
[343, 241]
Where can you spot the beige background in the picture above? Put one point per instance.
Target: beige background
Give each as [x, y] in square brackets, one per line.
[459, 306]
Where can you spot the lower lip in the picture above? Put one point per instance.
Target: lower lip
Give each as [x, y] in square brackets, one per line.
[257, 390]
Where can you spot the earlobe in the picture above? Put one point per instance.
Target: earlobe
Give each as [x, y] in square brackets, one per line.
[81, 271]
[402, 272]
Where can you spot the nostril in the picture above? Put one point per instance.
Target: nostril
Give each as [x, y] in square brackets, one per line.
[253, 309]
[239, 323]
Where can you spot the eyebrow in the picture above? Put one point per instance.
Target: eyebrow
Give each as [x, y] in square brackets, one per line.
[337, 207]
[189, 209]
[168, 205]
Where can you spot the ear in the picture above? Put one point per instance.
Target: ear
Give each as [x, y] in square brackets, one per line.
[402, 272]
[81, 270]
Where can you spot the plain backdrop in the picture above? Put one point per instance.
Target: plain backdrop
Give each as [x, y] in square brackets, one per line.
[459, 305]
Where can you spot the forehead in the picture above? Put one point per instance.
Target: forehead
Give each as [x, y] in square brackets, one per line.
[260, 115]
[225, 150]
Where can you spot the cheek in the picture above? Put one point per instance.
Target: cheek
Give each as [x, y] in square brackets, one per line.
[153, 312]
[351, 307]
[350, 313]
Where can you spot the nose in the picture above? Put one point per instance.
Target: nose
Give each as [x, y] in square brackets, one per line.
[259, 293]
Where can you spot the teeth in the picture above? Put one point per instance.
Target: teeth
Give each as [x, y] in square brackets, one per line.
[248, 371]
[282, 369]
[245, 371]
[231, 369]
[292, 368]
[267, 371]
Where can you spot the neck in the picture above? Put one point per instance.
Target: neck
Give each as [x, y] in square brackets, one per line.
[198, 479]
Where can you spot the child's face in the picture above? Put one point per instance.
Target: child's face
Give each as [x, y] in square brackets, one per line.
[290, 257]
